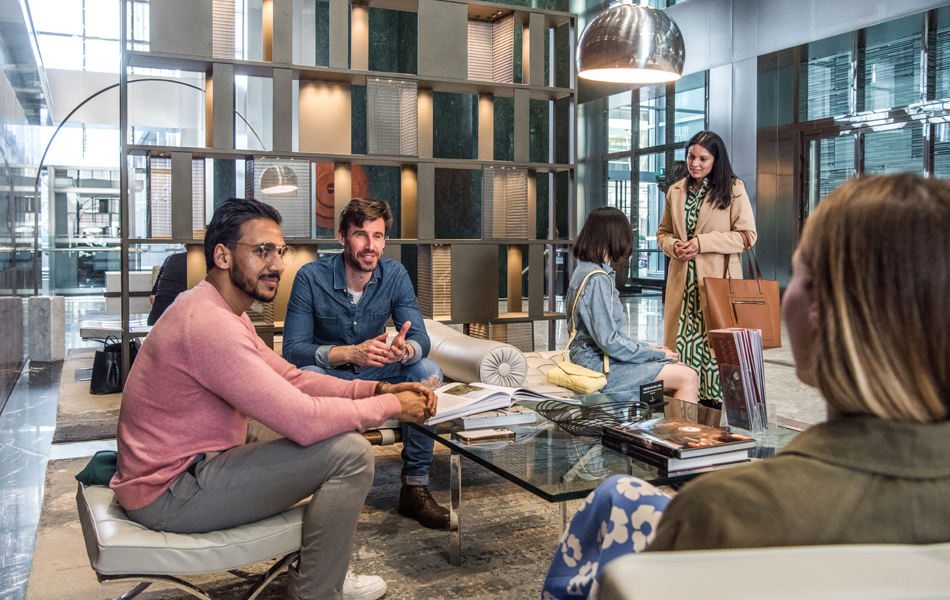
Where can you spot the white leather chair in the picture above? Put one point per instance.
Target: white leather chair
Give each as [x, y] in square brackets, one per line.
[859, 572]
[120, 549]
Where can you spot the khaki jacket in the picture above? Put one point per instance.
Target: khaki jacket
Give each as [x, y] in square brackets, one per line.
[851, 480]
[718, 233]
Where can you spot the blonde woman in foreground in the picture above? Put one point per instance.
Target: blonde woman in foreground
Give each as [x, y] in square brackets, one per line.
[867, 319]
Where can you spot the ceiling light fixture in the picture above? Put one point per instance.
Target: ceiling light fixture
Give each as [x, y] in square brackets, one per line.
[278, 179]
[630, 43]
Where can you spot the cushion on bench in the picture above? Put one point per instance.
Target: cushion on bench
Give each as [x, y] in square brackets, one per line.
[467, 359]
[117, 545]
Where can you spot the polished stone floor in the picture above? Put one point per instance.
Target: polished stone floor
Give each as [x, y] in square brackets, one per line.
[26, 434]
[29, 417]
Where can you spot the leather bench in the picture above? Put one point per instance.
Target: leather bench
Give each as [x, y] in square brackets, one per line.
[120, 549]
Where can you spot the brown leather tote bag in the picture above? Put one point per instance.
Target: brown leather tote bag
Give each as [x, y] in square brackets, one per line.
[751, 303]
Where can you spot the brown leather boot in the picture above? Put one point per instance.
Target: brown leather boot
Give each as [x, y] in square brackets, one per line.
[416, 502]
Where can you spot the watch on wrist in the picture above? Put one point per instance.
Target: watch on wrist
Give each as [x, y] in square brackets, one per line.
[405, 357]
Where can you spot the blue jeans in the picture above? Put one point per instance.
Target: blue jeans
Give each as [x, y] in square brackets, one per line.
[416, 446]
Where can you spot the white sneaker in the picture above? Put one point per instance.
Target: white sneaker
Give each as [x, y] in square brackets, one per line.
[363, 587]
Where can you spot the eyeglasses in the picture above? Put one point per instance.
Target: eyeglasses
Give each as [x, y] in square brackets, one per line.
[268, 251]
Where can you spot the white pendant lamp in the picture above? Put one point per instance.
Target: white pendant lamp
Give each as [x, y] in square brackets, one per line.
[631, 43]
[278, 179]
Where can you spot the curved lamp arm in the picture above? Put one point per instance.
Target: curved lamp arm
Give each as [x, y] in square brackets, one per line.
[39, 167]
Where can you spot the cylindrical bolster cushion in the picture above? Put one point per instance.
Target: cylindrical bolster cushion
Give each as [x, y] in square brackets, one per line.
[468, 359]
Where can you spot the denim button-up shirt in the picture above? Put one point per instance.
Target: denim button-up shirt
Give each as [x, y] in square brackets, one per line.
[321, 313]
[599, 318]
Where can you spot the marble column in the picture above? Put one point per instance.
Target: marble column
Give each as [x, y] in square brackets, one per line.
[47, 328]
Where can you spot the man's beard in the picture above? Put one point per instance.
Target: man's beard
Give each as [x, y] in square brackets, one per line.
[354, 261]
[249, 285]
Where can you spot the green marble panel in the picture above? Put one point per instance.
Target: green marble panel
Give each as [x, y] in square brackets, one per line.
[409, 256]
[358, 119]
[322, 58]
[458, 204]
[454, 126]
[224, 177]
[562, 58]
[393, 41]
[541, 213]
[562, 130]
[324, 234]
[538, 131]
[504, 128]
[519, 53]
[385, 183]
[561, 192]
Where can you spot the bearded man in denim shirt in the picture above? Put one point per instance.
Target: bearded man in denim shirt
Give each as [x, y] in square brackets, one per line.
[335, 324]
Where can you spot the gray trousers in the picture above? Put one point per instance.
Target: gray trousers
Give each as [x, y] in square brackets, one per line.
[254, 481]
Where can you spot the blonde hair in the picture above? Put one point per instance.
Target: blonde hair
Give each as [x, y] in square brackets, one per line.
[878, 252]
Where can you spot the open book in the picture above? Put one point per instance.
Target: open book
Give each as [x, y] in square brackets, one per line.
[462, 399]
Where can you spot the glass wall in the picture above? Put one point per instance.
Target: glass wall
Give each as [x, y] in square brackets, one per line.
[825, 78]
[892, 64]
[875, 101]
[690, 106]
[638, 135]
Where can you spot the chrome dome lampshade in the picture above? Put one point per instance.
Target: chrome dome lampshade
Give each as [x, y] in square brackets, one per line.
[629, 43]
[278, 179]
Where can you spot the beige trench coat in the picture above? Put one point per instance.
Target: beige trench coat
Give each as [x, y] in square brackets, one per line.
[718, 233]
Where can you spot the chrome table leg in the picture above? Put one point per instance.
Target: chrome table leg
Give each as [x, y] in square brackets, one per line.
[455, 487]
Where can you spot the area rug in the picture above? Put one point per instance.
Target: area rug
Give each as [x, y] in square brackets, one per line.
[508, 537]
[80, 415]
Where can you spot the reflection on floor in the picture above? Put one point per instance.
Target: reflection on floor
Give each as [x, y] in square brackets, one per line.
[29, 418]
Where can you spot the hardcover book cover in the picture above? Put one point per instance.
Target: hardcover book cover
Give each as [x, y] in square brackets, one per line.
[680, 439]
[673, 466]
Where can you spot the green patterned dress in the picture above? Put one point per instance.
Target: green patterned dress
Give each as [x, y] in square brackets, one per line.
[692, 340]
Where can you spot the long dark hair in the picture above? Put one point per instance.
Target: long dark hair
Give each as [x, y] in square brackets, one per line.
[605, 233]
[721, 178]
[229, 218]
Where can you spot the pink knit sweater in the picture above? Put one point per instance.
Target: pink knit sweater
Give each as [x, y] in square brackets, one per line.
[201, 372]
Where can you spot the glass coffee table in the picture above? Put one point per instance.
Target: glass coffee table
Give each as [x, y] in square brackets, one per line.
[557, 466]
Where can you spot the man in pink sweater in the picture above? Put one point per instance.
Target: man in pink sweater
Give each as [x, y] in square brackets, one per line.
[183, 465]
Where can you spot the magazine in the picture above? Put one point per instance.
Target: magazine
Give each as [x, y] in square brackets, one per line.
[741, 370]
[673, 466]
[463, 399]
[676, 438]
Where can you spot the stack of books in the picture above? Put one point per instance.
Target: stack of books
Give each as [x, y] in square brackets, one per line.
[678, 447]
[741, 370]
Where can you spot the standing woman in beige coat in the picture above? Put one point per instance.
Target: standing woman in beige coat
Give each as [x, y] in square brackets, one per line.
[701, 231]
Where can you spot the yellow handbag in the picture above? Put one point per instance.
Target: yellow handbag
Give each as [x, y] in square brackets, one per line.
[575, 377]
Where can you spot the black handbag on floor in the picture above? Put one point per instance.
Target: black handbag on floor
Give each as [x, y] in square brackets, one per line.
[107, 367]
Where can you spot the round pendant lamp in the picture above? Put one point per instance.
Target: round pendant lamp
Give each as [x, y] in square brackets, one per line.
[278, 179]
[630, 43]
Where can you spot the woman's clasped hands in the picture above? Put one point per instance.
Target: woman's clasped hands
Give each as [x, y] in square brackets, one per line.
[686, 250]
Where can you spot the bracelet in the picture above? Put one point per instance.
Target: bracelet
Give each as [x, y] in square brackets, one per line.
[379, 388]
